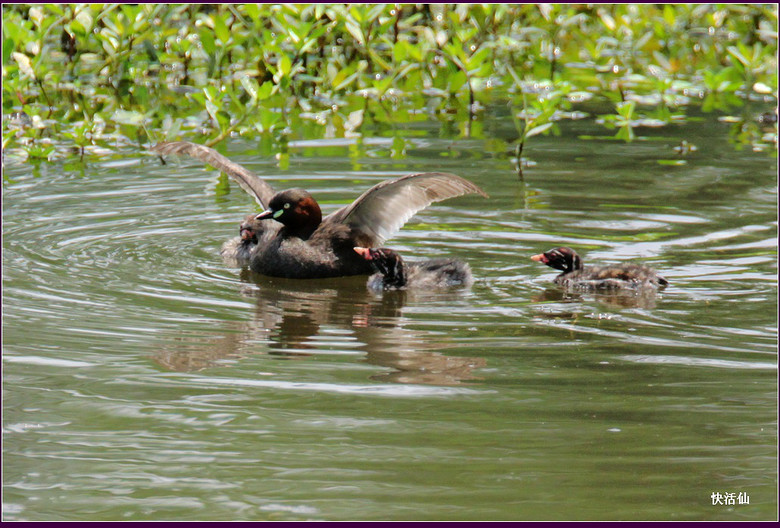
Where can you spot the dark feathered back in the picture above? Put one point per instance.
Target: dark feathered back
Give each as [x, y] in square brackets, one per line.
[575, 274]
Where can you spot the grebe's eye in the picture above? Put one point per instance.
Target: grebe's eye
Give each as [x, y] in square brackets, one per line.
[287, 205]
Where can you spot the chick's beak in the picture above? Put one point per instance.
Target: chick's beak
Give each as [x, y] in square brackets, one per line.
[540, 258]
[246, 233]
[363, 252]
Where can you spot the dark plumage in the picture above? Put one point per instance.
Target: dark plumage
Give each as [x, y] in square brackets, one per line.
[575, 275]
[395, 274]
[298, 242]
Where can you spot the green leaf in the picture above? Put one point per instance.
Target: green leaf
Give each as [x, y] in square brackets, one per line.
[252, 10]
[207, 39]
[8, 47]
[375, 11]
[356, 32]
[24, 64]
[354, 120]
[625, 133]
[347, 81]
[456, 81]
[400, 51]
[479, 57]
[268, 119]
[211, 93]
[55, 8]
[265, 91]
[250, 85]
[537, 130]
[126, 117]
[379, 60]
[383, 84]
[220, 29]
[337, 76]
[212, 109]
[626, 109]
[284, 66]
[83, 22]
[356, 14]
[737, 54]
[406, 70]
[171, 127]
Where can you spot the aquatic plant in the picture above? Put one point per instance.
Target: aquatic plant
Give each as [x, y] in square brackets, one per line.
[78, 77]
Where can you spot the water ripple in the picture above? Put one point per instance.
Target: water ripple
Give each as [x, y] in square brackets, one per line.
[363, 390]
[700, 362]
[52, 362]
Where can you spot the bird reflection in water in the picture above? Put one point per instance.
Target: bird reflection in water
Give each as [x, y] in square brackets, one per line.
[641, 298]
[295, 319]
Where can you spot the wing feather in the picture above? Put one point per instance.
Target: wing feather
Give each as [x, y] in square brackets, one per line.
[250, 182]
[383, 209]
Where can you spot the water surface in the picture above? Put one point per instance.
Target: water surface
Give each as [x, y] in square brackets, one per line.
[146, 380]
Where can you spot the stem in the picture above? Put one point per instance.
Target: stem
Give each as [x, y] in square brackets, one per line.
[43, 91]
[519, 153]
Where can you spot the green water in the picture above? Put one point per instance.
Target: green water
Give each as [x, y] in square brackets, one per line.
[145, 380]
